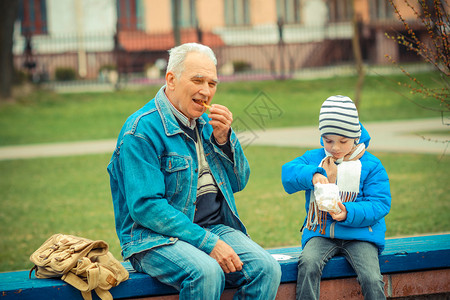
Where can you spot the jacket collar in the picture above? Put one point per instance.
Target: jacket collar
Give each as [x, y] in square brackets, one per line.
[171, 126]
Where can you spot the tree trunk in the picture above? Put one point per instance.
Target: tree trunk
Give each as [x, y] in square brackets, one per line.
[8, 15]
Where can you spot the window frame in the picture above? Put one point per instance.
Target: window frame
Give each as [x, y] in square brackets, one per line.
[33, 17]
[381, 10]
[289, 11]
[132, 19]
[237, 12]
[340, 10]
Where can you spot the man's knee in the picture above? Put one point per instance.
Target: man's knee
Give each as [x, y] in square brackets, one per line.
[273, 267]
[269, 267]
[209, 273]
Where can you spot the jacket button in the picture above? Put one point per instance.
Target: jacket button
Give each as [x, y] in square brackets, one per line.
[196, 170]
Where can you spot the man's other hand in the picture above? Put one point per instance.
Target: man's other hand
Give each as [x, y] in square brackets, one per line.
[228, 260]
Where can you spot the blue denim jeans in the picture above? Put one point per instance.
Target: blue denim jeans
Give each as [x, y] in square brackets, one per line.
[362, 256]
[198, 276]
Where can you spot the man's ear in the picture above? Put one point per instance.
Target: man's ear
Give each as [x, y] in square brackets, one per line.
[170, 80]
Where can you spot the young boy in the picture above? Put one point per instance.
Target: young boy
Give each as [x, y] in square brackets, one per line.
[358, 231]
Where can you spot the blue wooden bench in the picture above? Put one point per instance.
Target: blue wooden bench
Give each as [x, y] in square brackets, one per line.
[426, 258]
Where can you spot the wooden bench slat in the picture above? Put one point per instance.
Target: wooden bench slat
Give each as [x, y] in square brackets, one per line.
[401, 255]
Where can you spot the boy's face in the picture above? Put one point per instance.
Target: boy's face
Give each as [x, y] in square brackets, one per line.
[337, 145]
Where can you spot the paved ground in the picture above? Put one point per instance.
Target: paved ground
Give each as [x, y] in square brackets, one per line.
[397, 136]
[410, 136]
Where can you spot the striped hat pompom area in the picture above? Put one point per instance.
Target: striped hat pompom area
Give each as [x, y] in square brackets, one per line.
[339, 116]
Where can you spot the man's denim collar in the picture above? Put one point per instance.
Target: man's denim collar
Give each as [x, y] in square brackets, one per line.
[169, 114]
[179, 115]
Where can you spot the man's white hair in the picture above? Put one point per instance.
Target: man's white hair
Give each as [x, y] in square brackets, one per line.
[177, 56]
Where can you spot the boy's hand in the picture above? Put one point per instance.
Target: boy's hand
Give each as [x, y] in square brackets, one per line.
[319, 178]
[340, 216]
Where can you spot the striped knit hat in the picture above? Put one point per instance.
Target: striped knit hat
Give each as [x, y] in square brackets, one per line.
[338, 116]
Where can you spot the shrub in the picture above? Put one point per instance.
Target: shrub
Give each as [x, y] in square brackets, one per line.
[20, 77]
[241, 66]
[108, 68]
[65, 74]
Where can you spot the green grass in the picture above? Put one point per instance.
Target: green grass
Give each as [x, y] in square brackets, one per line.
[71, 195]
[40, 197]
[44, 117]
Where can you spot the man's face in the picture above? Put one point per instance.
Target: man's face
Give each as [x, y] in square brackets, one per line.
[196, 85]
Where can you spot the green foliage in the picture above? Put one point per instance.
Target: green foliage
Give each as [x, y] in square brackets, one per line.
[108, 68]
[241, 66]
[65, 74]
[20, 77]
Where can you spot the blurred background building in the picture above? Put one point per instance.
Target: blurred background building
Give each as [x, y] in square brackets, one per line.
[127, 40]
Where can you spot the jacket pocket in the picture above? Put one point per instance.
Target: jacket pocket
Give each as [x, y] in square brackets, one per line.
[176, 173]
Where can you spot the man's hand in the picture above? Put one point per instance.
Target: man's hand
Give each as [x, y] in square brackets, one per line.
[228, 260]
[221, 119]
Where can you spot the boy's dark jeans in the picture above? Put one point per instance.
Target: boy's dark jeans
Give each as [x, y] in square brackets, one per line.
[362, 256]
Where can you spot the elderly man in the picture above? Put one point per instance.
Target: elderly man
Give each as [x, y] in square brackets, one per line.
[173, 174]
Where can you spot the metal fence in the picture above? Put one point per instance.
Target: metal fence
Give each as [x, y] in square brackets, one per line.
[139, 58]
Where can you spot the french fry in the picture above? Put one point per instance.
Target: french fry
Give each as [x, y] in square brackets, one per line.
[206, 105]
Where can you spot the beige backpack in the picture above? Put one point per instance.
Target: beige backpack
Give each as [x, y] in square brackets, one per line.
[85, 264]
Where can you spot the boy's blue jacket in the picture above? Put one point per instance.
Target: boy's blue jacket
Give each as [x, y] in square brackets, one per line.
[153, 177]
[365, 216]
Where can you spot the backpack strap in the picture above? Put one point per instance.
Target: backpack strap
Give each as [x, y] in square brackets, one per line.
[31, 271]
[103, 294]
[88, 270]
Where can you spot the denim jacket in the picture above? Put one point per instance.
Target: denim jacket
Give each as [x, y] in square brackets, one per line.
[153, 178]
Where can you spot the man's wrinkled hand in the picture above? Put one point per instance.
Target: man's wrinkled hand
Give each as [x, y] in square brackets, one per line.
[221, 119]
[228, 260]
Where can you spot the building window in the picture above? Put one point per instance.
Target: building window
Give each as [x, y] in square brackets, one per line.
[129, 15]
[289, 10]
[187, 13]
[237, 12]
[381, 10]
[33, 17]
[341, 10]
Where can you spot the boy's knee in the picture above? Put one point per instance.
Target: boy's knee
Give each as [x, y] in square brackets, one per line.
[370, 279]
[309, 266]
